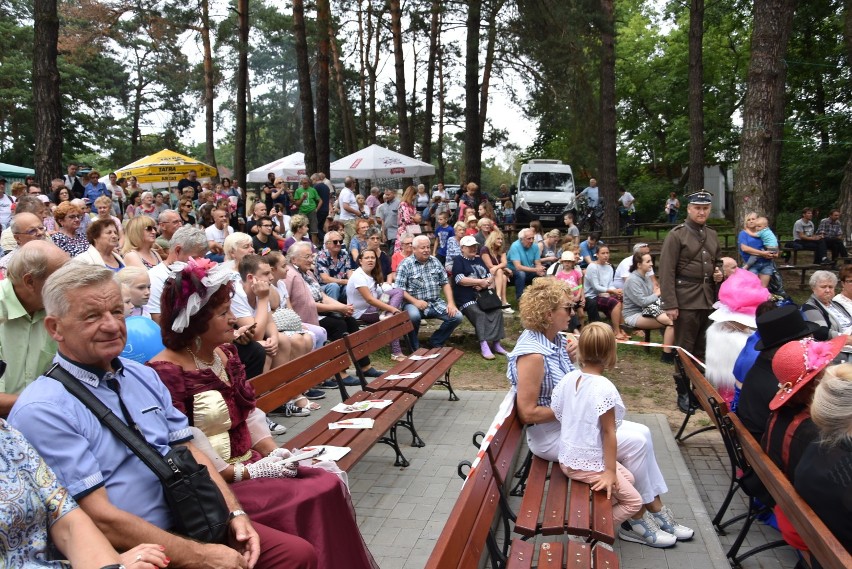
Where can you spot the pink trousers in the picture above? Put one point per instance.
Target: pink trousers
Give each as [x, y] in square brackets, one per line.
[626, 501]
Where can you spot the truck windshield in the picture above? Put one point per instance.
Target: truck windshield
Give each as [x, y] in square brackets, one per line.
[546, 182]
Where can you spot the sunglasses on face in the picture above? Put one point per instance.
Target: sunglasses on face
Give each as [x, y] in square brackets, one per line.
[150, 228]
[336, 242]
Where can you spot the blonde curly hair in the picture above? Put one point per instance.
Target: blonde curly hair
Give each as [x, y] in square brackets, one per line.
[539, 301]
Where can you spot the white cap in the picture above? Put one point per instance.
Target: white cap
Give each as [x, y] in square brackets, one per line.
[468, 241]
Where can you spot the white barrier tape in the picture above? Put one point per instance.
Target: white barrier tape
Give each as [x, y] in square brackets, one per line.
[650, 345]
[504, 410]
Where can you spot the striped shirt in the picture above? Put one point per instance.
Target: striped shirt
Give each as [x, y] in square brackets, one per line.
[556, 361]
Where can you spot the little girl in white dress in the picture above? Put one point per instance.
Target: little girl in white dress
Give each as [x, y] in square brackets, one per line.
[589, 408]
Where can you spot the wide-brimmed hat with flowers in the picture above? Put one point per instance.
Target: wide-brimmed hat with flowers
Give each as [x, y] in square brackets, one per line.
[796, 363]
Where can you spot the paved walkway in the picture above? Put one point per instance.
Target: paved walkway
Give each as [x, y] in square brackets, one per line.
[401, 511]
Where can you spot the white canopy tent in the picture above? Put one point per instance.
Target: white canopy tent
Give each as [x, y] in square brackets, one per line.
[289, 167]
[375, 162]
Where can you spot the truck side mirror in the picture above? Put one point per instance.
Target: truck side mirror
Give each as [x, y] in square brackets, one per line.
[513, 189]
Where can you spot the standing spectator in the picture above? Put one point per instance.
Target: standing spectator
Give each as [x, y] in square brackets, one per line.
[334, 268]
[688, 278]
[443, 233]
[188, 181]
[5, 205]
[672, 207]
[832, 234]
[524, 261]
[601, 294]
[591, 193]
[422, 278]
[572, 232]
[805, 237]
[626, 210]
[408, 222]
[325, 204]
[758, 258]
[388, 216]
[73, 182]
[422, 201]
[441, 193]
[216, 235]
[349, 211]
[95, 188]
[308, 201]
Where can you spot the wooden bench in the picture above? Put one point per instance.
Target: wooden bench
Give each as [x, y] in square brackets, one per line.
[432, 371]
[802, 268]
[823, 545]
[286, 382]
[468, 536]
[703, 395]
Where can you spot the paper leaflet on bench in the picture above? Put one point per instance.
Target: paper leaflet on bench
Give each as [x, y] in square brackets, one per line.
[331, 453]
[356, 423]
[361, 406]
[418, 358]
[409, 375]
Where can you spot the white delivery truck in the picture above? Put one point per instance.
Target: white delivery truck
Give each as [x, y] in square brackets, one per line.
[545, 191]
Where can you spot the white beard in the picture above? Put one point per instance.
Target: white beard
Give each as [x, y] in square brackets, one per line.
[724, 344]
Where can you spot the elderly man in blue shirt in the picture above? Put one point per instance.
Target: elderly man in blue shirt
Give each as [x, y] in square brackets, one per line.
[422, 278]
[118, 491]
[591, 193]
[523, 258]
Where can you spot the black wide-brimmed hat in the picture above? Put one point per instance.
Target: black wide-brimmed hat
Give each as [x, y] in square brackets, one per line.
[782, 325]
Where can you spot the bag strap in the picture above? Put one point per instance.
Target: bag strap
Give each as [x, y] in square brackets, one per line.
[132, 439]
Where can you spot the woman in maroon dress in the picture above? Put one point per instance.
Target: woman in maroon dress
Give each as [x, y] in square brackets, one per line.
[207, 381]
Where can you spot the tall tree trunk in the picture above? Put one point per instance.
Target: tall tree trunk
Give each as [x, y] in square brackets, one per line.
[472, 137]
[242, 87]
[209, 84]
[347, 119]
[754, 187]
[441, 112]
[363, 47]
[608, 174]
[696, 95]
[306, 97]
[47, 156]
[426, 150]
[323, 135]
[489, 65]
[137, 117]
[846, 184]
[405, 142]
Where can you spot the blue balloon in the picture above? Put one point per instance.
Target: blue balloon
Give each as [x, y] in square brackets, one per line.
[144, 340]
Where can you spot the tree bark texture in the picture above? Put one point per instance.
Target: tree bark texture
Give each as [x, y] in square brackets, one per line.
[306, 97]
[490, 47]
[405, 143]
[347, 117]
[754, 189]
[47, 157]
[608, 174]
[845, 198]
[242, 87]
[696, 96]
[209, 85]
[472, 137]
[441, 112]
[323, 128]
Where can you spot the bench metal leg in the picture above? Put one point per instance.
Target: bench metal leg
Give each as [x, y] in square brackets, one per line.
[408, 423]
[753, 511]
[717, 519]
[446, 383]
[392, 442]
[522, 474]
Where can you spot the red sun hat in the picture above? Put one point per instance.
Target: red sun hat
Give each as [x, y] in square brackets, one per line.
[796, 363]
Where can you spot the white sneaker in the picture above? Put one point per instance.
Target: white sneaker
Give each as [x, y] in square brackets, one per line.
[508, 310]
[665, 519]
[275, 428]
[647, 532]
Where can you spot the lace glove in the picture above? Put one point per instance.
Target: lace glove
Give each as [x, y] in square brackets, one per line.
[271, 467]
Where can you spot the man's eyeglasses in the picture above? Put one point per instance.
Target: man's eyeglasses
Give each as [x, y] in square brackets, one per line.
[33, 231]
[336, 242]
[74, 216]
[266, 227]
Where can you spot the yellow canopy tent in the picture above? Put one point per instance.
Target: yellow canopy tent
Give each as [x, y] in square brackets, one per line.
[163, 167]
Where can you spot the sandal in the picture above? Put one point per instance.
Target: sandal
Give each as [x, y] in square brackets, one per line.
[622, 337]
[399, 357]
[303, 402]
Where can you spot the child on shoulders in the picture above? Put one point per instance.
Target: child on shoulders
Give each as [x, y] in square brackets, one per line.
[590, 410]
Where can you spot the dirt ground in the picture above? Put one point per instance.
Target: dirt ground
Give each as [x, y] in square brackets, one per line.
[646, 384]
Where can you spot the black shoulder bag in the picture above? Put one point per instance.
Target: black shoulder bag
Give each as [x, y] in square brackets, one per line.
[195, 501]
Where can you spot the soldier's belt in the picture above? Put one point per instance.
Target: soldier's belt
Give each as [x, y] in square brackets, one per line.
[695, 280]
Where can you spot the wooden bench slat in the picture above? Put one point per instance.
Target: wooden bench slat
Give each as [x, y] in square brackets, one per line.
[577, 521]
[579, 555]
[602, 524]
[551, 555]
[376, 336]
[528, 513]
[521, 555]
[553, 521]
[504, 446]
[604, 558]
[432, 371]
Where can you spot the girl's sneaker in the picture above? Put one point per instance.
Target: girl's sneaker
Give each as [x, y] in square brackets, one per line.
[647, 532]
[665, 519]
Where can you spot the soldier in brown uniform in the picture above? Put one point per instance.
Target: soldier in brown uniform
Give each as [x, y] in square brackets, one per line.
[688, 278]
